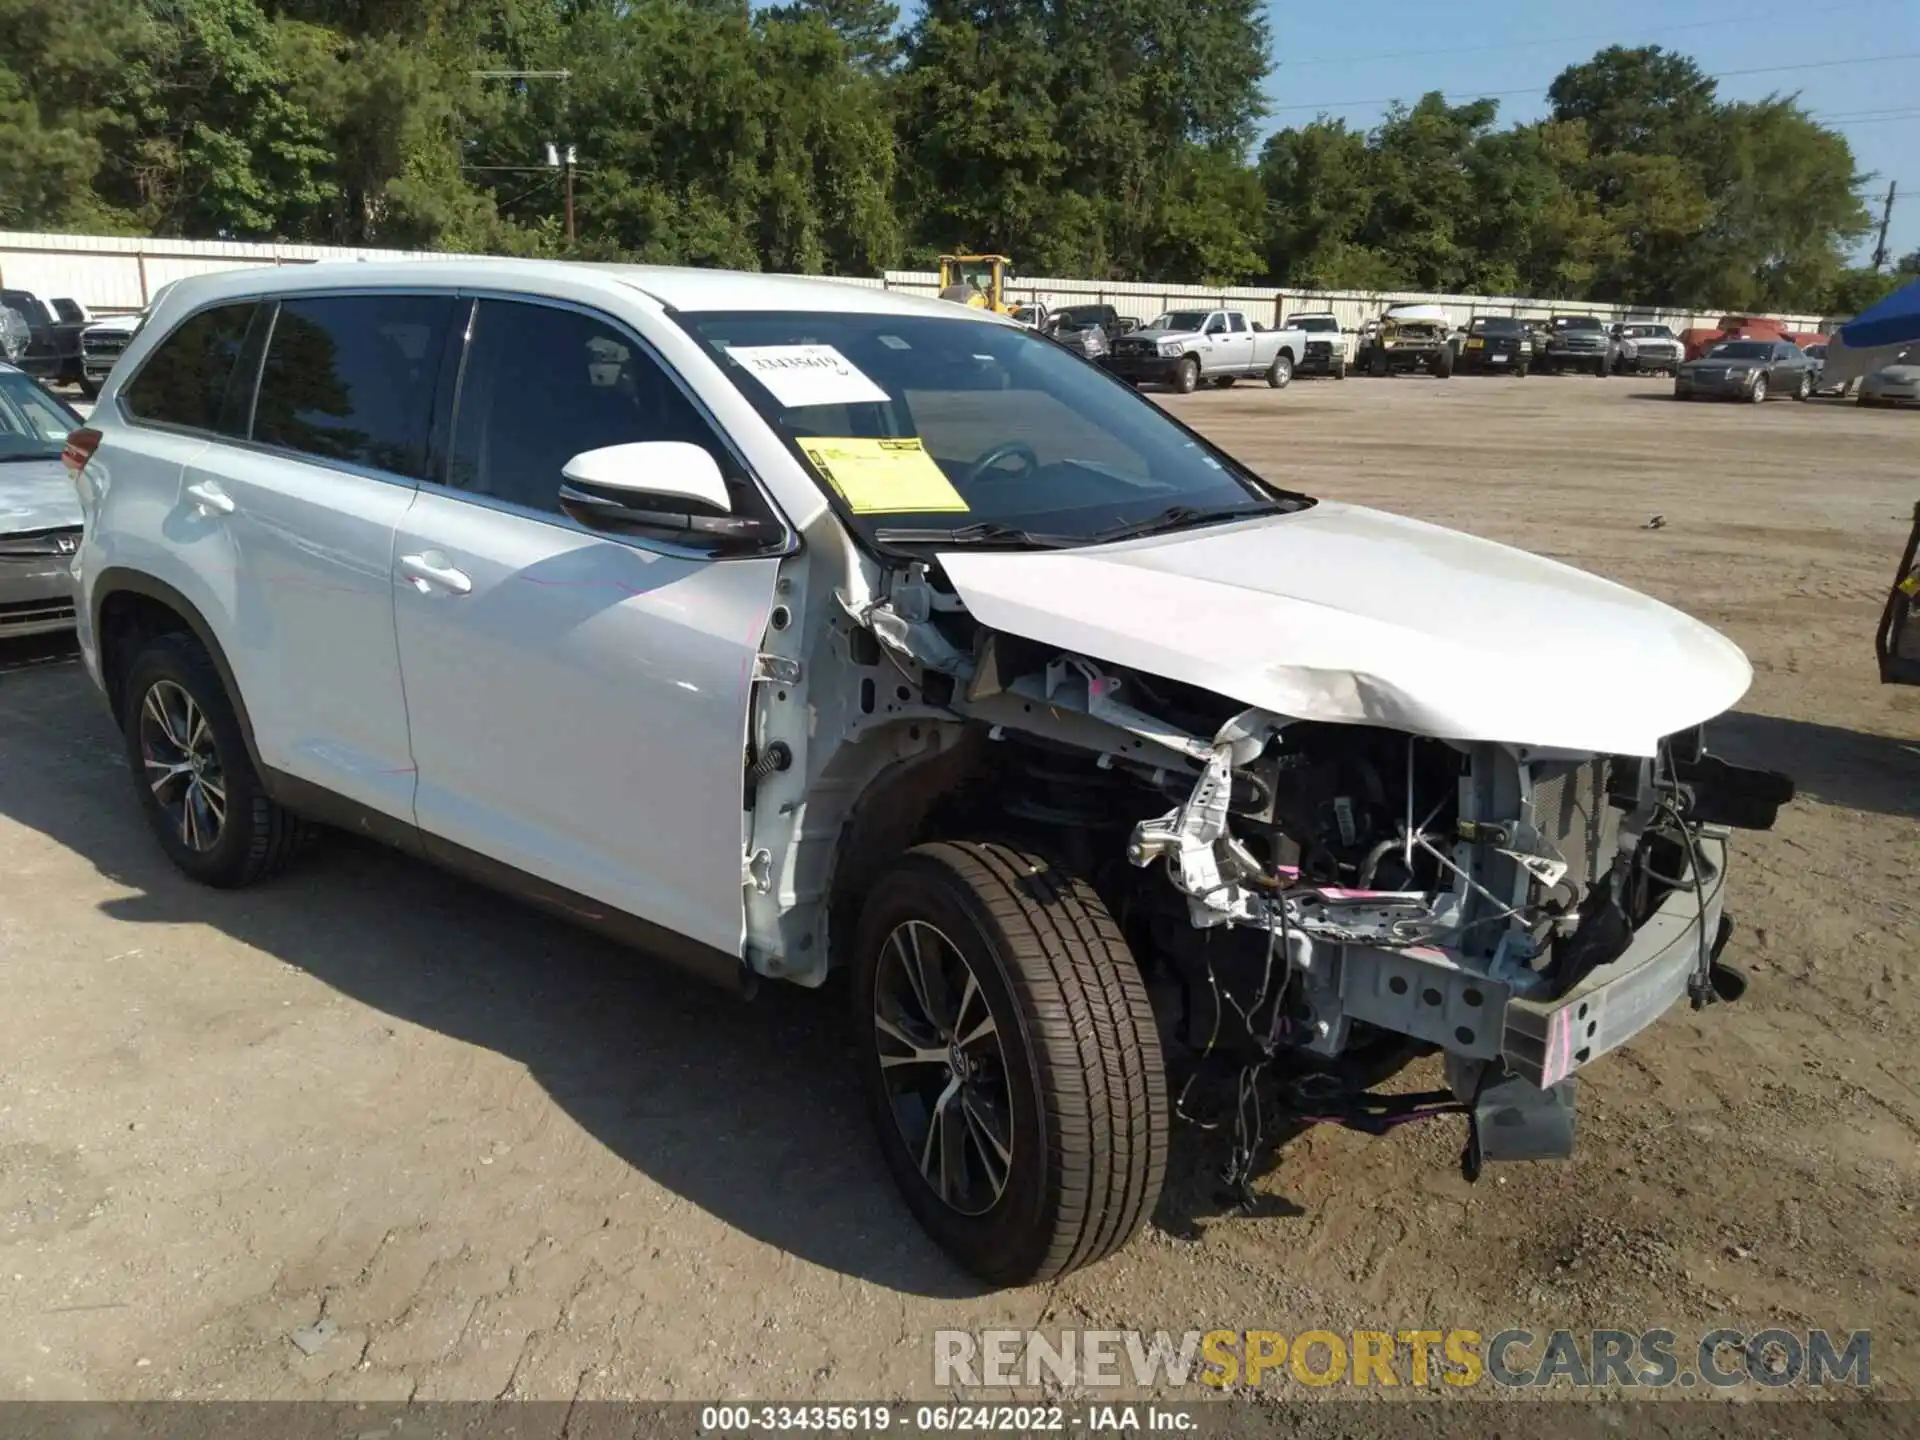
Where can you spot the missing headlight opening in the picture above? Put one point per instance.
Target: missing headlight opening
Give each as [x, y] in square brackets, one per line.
[1312, 904]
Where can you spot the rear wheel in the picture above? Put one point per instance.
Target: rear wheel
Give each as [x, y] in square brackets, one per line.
[1010, 1060]
[196, 782]
[1188, 376]
[1224, 382]
[1280, 372]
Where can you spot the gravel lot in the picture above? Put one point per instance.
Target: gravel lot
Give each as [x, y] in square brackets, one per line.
[498, 1157]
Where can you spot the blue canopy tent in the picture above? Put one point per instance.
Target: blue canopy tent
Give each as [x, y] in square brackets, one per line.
[1876, 336]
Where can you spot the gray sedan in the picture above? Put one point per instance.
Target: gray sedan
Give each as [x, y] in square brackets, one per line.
[1895, 384]
[1753, 370]
[39, 510]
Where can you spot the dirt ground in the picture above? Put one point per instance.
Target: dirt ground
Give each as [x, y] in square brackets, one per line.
[499, 1158]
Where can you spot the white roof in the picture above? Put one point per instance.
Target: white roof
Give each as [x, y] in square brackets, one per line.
[1431, 313]
[683, 288]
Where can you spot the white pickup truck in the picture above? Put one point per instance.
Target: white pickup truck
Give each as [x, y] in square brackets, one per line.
[1182, 348]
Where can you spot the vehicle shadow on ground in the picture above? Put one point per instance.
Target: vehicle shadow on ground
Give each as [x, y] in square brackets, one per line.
[1879, 774]
[750, 1110]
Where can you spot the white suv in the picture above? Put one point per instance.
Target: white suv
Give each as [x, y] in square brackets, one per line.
[783, 626]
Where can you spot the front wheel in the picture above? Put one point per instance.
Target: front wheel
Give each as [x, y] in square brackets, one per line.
[89, 388]
[1010, 1061]
[1759, 391]
[1339, 369]
[1377, 364]
[1187, 380]
[1804, 390]
[1224, 382]
[1280, 373]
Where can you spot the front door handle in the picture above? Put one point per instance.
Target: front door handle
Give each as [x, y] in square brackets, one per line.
[209, 499]
[431, 570]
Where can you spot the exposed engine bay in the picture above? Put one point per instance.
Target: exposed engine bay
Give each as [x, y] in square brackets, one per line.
[1337, 892]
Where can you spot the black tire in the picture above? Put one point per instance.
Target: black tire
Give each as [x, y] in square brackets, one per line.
[1224, 382]
[90, 388]
[1085, 1085]
[1339, 369]
[1758, 394]
[1804, 390]
[1377, 363]
[255, 837]
[1520, 372]
[1600, 369]
[1187, 378]
[1280, 372]
[1443, 365]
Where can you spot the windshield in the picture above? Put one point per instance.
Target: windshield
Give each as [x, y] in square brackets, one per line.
[923, 421]
[1178, 320]
[1742, 350]
[1817, 352]
[1313, 324]
[1495, 325]
[1649, 332]
[1579, 322]
[33, 425]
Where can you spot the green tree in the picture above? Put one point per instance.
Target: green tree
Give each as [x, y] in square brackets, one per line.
[62, 90]
[868, 28]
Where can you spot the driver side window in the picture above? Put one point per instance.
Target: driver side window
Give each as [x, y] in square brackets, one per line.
[542, 384]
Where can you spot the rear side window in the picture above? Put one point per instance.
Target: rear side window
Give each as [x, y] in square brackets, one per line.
[1237, 322]
[542, 385]
[184, 381]
[351, 378]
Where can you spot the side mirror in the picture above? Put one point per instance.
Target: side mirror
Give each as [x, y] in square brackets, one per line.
[657, 487]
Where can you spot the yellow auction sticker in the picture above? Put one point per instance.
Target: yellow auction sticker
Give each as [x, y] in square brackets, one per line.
[883, 477]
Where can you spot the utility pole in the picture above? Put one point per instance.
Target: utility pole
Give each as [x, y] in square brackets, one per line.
[1886, 215]
[556, 159]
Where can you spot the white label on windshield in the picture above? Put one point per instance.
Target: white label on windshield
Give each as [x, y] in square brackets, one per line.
[807, 374]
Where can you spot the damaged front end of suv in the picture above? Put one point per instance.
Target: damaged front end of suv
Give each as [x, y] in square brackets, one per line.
[1303, 786]
[1313, 890]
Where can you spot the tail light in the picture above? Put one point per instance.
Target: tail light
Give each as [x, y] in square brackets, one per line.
[80, 447]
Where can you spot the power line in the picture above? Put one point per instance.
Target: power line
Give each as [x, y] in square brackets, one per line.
[1542, 89]
[1746, 19]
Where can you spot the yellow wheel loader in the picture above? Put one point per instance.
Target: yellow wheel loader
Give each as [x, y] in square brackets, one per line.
[978, 281]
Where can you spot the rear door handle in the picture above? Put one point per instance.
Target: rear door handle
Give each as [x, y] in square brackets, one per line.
[209, 499]
[430, 570]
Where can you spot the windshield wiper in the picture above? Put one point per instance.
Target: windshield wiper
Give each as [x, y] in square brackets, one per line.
[1178, 517]
[983, 532]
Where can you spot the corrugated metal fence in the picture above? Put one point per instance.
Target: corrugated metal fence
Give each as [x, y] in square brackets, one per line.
[112, 274]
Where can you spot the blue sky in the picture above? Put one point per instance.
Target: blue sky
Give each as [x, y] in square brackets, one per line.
[1348, 59]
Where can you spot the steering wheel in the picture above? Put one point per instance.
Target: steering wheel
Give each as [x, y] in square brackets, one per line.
[982, 468]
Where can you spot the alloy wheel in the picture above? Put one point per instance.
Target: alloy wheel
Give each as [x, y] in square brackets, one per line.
[183, 765]
[943, 1067]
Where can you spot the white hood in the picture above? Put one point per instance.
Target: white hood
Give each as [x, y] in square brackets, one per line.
[1346, 614]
